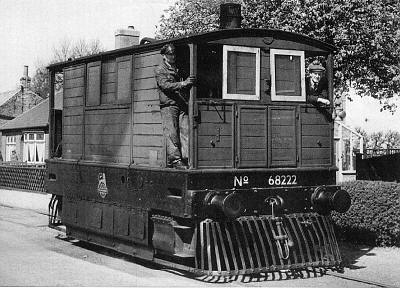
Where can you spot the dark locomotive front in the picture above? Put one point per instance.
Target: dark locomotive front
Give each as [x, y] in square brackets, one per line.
[261, 184]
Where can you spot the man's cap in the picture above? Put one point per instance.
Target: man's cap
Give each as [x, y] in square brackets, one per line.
[316, 68]
[168, 49]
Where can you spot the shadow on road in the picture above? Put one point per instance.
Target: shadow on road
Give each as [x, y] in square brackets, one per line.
[351, 254]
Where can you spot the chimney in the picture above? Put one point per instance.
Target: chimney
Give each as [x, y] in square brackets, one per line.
[25, 80]
[230, 16]
[126, 37]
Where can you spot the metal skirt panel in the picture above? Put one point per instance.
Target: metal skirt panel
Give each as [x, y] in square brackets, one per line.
[257, 244]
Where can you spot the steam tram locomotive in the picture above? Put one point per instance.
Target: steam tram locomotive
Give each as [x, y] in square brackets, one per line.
[260, 187]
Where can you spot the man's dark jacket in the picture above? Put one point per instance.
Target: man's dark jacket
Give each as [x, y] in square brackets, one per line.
[320, 91]
[171, 90]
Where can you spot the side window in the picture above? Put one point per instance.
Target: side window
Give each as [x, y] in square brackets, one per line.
[93, 84]
[241, 73]
[287, 75]
[109, 81]
[34, 148]
[124, 79]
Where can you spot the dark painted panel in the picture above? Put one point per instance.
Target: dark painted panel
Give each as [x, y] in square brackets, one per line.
[147, 129]
[148, 140]
[74, 72]
[148, 59]
[145, 84]
[73, 101]
[283, 151]
[146, 95]
[147, 117]
[73, 111]
[216, 122]
[121, 222]
[107, 139]
[252, 136]
[72, 130]
[74, 83]
[74, 92]
[106, 128]
[316, 129]
[314, 153]
[316, 142]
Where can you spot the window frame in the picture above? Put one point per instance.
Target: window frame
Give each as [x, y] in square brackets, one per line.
[35, 141]
[288, 98]
[121, 97]
[243, 49]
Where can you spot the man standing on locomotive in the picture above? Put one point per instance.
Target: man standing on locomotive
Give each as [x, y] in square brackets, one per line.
[317, 85]
[173, 93]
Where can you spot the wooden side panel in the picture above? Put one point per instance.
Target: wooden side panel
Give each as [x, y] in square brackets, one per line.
[265, 85]
[148, 139]
[108, 82]
[252, 136]
[107, 135]
[214, 136]
[316, 138]
[73, 102]
[283, 136]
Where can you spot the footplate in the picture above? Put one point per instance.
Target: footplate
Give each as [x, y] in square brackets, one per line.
[253, 244]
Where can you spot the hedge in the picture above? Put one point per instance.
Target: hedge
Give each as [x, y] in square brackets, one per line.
[374, 216]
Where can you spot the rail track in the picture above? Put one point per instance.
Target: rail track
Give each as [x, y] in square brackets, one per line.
[354, 279]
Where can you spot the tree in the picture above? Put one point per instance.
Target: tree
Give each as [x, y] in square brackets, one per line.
[66, 50]
[392, 139]
[40, 81]
[389, 139]
[366, 33]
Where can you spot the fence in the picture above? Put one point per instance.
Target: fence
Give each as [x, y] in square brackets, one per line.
[23, 176]
[368, 153]
[378, 168]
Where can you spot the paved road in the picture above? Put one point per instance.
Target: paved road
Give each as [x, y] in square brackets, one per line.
[31, 255]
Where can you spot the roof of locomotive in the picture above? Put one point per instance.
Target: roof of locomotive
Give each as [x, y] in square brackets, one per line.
[204, 37]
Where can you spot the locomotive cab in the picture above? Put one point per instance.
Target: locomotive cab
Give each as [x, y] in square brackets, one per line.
[261, 172]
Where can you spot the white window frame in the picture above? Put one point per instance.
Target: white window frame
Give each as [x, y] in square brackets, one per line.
[274, 97]
[11, 144]
[225, 94]
[35, 142]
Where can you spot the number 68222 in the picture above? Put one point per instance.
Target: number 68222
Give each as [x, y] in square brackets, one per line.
[281, 180]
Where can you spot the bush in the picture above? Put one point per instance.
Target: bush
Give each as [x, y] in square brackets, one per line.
[374, 216]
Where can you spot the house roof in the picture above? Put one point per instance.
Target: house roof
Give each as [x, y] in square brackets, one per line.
[5, 96]
[37, 116]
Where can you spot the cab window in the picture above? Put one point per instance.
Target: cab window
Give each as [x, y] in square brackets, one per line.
[241, 73]
[287, 75]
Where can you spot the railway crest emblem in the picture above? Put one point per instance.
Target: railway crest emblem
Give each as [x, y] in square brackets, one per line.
[102, 185]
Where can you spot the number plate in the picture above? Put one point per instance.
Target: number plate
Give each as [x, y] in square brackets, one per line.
[259, 181]
[282, 180]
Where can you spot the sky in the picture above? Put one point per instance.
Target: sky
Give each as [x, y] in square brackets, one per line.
[365, 112]
[30, 29]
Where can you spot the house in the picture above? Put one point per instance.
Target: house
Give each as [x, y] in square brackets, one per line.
[347, 142]
[26, 137]
[15, 102]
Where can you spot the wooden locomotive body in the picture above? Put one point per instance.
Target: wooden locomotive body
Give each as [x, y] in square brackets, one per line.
[261, 181]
